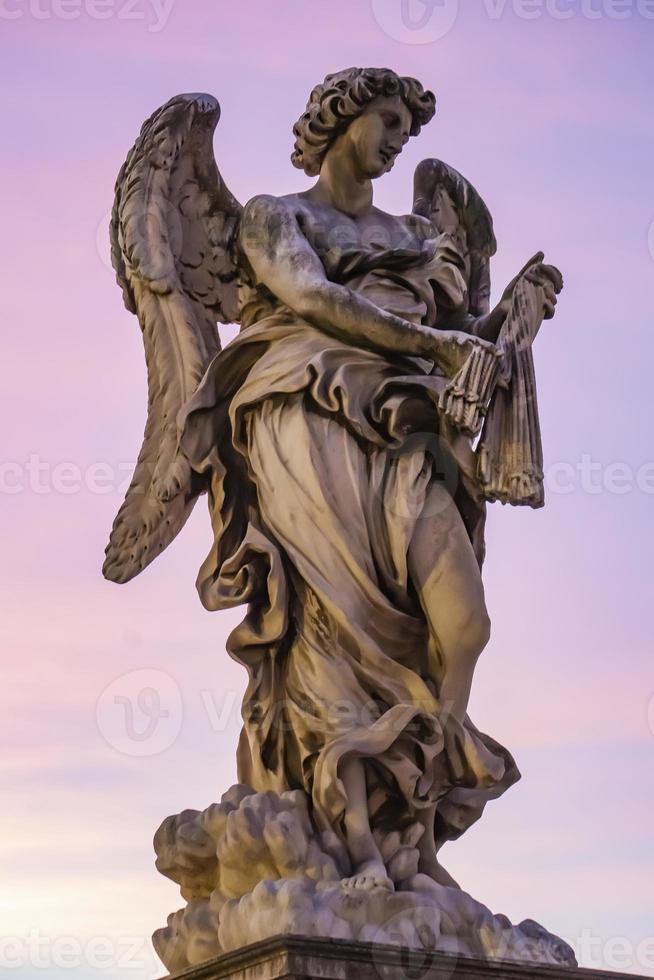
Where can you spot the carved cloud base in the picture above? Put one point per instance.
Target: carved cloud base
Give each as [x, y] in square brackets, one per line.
[253, 867]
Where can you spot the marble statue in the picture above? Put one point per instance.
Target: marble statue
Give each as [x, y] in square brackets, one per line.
[348, 440]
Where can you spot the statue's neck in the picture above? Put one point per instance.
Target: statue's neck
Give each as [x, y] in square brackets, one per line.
[342, 186]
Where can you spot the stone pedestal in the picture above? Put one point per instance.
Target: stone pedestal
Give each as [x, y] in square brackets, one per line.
[298, 958]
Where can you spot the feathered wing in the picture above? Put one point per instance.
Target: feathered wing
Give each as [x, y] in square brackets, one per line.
[451, 203]
[173, 234]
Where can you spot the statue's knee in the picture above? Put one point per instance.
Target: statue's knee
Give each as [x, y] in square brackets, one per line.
[484, 629]
[475, 634]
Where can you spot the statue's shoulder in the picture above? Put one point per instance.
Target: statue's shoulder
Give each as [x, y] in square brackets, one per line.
[267, 217]
[264, 205]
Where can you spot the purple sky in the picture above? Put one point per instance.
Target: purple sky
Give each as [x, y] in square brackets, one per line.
[550, 116]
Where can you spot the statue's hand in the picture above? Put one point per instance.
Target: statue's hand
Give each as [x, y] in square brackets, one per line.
[549, 277]
[540, 274]
[454, 347]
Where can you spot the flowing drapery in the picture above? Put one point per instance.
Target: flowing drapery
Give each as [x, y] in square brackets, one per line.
[321, 458]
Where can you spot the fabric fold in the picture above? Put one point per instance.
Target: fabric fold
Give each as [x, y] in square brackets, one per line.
[320, 459]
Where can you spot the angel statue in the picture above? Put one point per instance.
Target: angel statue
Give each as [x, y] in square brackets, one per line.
[348, 439]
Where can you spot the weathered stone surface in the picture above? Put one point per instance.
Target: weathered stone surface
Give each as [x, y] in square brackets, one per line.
[254, 866]
[335, 437]
[298, 958]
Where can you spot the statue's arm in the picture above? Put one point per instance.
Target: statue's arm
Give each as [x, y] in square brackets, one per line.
[284, 261]
[486, 327]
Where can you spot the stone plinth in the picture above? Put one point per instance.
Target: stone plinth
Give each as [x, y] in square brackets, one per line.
[297, 958]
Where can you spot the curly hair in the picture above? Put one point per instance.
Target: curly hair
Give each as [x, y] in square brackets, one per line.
[341, 98]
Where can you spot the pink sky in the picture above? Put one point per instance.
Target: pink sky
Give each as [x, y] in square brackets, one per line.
[551, 119]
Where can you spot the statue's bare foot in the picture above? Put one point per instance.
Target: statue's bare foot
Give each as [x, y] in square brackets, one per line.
[430, 866]
[370, 874]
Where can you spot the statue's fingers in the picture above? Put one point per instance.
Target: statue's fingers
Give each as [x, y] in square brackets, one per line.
[544, 276]
[550, 291]
[542, 273]
[553, 275]
[536, 276]
[535, 260]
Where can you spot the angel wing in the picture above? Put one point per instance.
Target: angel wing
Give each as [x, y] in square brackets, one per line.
[173, 234]
[451, 203]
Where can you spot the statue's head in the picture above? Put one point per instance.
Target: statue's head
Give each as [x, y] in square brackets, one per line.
[373, 109]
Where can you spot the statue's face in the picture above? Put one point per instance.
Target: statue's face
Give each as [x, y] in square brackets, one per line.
[378, 135]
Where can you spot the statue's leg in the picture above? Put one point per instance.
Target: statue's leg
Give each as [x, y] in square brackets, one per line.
[429, 863]
[369, 868]
[446, 576]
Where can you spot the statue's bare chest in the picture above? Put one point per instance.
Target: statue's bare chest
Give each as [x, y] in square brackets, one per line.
[328, 230]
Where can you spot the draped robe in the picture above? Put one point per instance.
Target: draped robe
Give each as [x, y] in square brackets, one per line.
[320, 457]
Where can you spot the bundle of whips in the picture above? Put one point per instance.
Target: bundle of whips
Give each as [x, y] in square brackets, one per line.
[467, 395]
